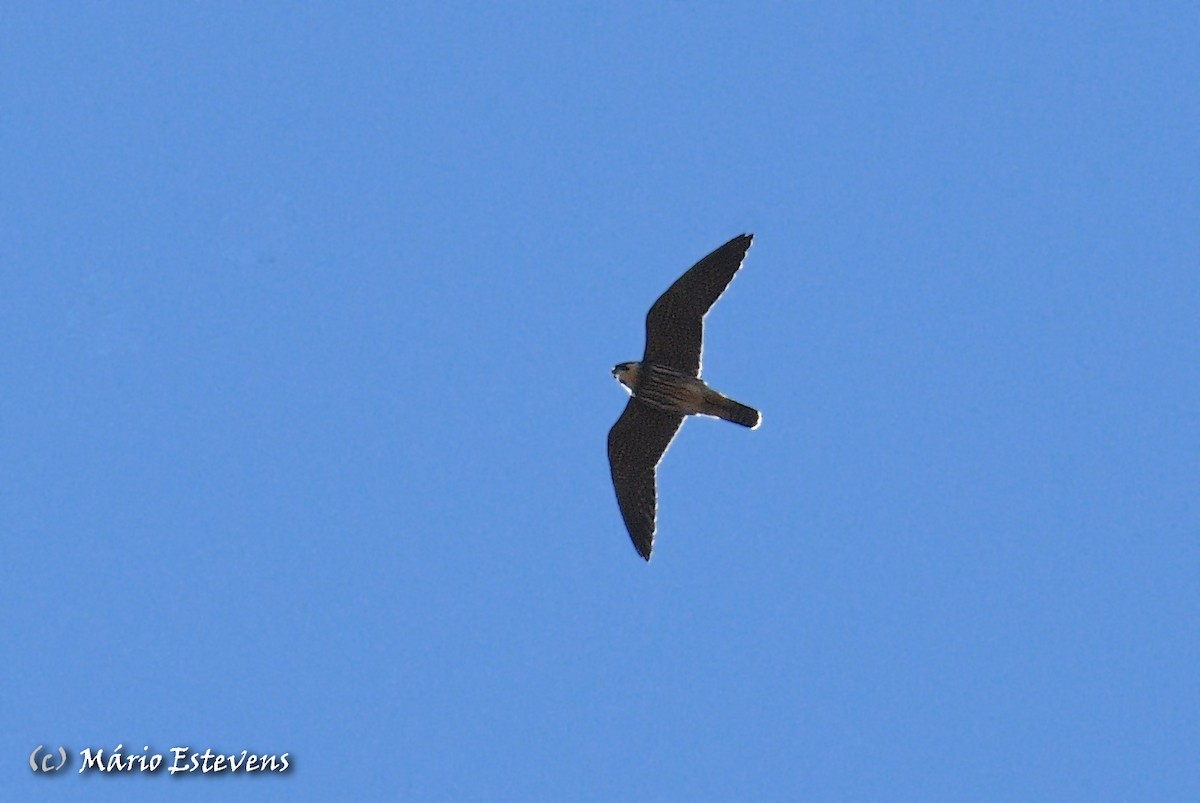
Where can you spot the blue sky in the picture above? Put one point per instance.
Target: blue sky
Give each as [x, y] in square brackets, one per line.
[308, 315]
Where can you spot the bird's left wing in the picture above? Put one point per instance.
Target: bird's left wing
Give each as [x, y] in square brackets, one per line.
[675, 324]
[636, 444]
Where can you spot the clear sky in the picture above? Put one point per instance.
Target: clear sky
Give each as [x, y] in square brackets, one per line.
[307, 318]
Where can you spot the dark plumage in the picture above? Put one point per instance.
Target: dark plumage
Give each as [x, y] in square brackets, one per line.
[666, 387]
[675, 324]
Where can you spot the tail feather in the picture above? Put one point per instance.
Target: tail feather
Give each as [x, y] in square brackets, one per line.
[738, 413]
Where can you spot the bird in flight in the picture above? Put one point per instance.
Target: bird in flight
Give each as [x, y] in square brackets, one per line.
[666, 386]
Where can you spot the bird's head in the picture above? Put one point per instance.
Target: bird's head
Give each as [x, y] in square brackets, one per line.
[626, 373]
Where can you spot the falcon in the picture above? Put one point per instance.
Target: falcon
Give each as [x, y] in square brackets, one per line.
[665, 387]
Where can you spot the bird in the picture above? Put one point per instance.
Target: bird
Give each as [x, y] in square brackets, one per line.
[665, 387]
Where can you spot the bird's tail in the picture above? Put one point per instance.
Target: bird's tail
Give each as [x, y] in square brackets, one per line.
[738, 413]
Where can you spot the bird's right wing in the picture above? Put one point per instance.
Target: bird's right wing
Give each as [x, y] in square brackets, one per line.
[675, 324]
[636, 444]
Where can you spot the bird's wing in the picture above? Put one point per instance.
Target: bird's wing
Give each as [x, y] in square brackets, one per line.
[675, 324]
[635, 445]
